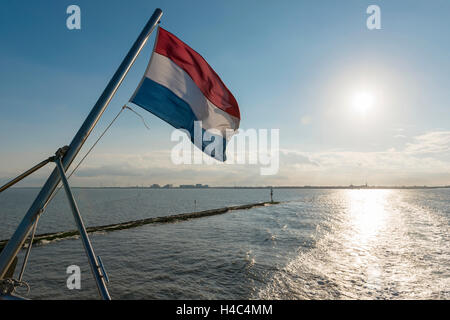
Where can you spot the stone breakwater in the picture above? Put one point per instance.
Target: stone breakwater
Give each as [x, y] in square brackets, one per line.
[48, 237]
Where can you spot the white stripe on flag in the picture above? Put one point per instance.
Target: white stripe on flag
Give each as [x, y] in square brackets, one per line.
[163, 71]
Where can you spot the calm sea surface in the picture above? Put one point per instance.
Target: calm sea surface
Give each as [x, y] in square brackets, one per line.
[316, 244]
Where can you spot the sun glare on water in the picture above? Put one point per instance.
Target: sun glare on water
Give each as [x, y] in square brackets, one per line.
[367, 212]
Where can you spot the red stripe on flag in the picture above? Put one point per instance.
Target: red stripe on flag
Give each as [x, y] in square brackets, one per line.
[199, 70]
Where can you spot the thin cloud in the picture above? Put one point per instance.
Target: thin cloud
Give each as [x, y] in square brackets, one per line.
[431, 142]
[425, 160]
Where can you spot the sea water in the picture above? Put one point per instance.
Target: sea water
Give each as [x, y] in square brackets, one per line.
[315, 244]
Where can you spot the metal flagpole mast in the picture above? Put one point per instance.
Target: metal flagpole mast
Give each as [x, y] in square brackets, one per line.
[15, 243]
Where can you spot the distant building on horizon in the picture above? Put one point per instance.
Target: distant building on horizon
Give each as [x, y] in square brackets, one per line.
[191, 186]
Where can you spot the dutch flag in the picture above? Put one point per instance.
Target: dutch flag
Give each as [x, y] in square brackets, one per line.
[182, 89]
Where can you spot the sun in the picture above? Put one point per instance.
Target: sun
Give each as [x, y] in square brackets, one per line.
[363, 102]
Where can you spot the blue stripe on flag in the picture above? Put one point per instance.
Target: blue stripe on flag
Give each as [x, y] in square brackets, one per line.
[163, 103]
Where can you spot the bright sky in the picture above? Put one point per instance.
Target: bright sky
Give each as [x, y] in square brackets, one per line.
[352, 104]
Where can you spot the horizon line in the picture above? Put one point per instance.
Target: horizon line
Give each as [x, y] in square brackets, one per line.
[258, 187]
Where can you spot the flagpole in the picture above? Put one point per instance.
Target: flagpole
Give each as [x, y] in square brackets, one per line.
[15, 243]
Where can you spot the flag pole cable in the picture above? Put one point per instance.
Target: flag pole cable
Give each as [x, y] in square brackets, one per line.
[15, 243]
[95, 144]
[88, 152]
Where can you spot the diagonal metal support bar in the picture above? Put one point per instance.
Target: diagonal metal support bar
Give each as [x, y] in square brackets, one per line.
[93, 262]
[25, 174]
